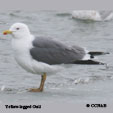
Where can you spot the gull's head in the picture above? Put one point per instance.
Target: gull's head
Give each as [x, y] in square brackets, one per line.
[18, 30]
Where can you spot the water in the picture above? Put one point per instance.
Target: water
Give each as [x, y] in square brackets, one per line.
[77, 84]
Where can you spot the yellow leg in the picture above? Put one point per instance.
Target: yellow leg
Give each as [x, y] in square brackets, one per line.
[41, 88]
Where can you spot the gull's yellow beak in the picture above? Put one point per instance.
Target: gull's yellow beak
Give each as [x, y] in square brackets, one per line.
[7, 32]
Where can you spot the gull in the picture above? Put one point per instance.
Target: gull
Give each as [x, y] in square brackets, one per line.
[43, 55]
[93, 15]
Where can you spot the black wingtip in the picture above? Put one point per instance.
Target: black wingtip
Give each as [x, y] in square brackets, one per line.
[89, 62]
[95, 53]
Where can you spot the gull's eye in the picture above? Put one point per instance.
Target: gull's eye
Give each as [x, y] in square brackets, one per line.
[17, 28]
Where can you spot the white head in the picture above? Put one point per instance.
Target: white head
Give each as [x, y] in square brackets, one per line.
[18, 30]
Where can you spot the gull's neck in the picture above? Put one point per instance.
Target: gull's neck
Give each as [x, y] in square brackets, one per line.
[21, 35]
[23, 43]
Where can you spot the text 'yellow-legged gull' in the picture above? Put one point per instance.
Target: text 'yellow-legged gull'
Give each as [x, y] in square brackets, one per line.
[42, 55]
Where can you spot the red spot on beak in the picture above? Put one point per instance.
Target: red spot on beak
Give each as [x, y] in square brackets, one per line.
[5, 33]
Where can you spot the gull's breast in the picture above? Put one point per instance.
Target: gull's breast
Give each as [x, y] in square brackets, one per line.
[22, 55]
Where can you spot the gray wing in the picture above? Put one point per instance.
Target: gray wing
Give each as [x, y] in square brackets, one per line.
[53, 52]
[105, 14]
